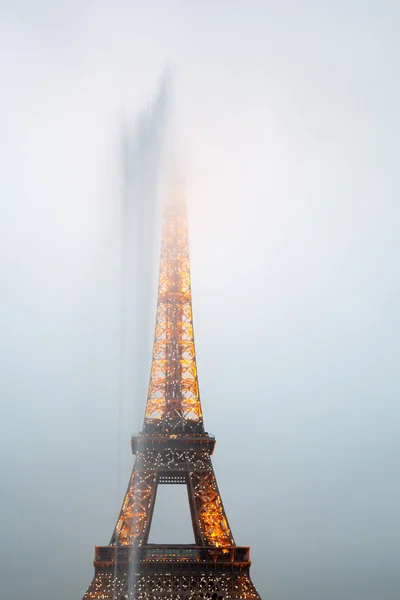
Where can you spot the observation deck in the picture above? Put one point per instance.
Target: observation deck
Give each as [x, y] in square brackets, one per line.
[109, 556]
[142, 442]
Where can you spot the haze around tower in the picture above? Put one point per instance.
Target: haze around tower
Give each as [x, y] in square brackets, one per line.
[290, 120]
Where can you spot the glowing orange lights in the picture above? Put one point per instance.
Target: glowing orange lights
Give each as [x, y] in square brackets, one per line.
[173, 390]
[212, 519]
[133, 519]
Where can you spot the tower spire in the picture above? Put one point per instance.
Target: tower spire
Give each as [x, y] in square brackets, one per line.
[173, 402]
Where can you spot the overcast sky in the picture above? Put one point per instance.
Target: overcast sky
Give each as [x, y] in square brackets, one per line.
[287, 115]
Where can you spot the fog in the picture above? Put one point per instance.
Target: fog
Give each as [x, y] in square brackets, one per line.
[286, 119]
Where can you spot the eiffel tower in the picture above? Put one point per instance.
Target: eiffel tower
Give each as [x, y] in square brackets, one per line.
[172, 448]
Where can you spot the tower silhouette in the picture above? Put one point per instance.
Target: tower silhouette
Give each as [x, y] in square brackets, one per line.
[172, 448]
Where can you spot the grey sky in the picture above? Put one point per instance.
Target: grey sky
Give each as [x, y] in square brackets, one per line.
[287, 116]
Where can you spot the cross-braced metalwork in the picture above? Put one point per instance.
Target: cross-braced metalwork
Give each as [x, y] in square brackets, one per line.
[174, 389]
[173, 448]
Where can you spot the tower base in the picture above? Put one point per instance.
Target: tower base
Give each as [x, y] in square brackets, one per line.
[171, 572]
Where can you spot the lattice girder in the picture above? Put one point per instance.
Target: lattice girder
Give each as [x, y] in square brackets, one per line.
[173, 389]
[209, 508]
[135, 516]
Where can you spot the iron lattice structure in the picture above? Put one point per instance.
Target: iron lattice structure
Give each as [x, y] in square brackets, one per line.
[173, 448]
[174, 389]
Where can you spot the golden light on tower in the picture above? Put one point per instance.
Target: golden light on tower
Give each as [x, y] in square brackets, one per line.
[173, 448]
[174, 389]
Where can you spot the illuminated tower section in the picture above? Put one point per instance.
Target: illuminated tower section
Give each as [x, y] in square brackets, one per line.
[173, 448]
[173, 401]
